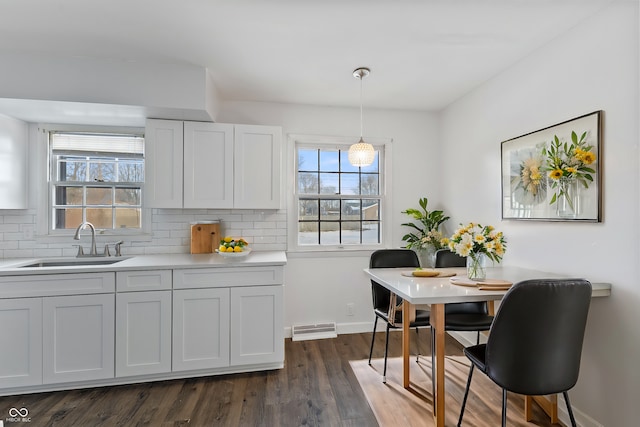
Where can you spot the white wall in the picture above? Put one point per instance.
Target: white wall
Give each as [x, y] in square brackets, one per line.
[319, 287]
[592, 67]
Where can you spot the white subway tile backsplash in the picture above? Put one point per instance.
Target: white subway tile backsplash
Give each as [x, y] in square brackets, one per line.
[17, 218]
[11, 236]
[171, 232]
[9, 244]
[9, 227]
[49, 253]
[20, 253]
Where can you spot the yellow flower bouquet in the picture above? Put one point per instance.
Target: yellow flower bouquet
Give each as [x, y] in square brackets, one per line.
[569, 161]
[472, 241]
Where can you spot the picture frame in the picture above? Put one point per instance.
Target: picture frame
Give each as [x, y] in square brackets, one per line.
[555, 173]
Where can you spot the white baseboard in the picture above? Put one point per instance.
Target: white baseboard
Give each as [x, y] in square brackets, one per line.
[354, 328]
[582, 419]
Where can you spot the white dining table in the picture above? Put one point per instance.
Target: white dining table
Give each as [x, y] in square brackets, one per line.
[437, 291]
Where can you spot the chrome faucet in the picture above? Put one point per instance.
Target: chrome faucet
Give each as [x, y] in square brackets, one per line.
[94, 251]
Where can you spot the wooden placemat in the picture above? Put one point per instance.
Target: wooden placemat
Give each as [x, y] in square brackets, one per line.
[436, 272]
[486, 284]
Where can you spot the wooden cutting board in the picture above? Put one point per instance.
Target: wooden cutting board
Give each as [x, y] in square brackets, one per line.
[487, 284]
[204, 237]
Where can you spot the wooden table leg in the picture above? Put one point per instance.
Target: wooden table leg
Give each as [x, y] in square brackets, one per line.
[491, 308]
[528, 410]
[406, 330]
[437, 322]
[549, 406]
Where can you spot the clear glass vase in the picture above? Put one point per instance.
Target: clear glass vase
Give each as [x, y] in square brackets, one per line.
[568, 198]
[476, 266]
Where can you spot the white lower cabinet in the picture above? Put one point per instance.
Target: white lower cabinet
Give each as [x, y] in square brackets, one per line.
[257, 335]
[143, 333]
[78, 338]
[21, 338]
[200, 328]
[74, 330]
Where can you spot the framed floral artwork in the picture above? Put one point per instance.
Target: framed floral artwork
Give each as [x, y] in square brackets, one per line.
[554, 174]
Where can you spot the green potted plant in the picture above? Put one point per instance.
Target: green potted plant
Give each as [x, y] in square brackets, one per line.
[426, 237]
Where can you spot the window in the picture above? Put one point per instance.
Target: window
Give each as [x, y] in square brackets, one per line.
[96, 177]
[337, 204]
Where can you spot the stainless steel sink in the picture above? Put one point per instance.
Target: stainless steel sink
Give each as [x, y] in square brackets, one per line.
[78, 262]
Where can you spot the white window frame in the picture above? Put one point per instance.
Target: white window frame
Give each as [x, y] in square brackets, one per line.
[383, 145]
[43, 193]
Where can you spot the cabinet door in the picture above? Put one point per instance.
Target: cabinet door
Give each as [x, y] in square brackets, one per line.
[78, 338]
[13, 163]
[200, 329]
[208, 165]
[163, 145]
[257, 330]
[21, 338]
[143, 333]
[257, 160]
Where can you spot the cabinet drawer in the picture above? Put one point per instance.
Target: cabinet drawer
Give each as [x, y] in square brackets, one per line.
[227, 277]
[57, 284]
[143, 280]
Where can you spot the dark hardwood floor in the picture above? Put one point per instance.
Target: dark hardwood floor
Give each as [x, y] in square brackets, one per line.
[316, 388]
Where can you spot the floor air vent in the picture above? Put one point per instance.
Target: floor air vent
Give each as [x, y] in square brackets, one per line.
[313, 332]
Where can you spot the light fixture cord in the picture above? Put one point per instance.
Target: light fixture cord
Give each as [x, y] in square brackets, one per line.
[361, 106]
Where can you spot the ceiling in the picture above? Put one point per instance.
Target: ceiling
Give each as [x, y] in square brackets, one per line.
[423, 54]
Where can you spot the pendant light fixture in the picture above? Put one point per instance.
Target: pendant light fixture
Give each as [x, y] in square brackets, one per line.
[362, 153]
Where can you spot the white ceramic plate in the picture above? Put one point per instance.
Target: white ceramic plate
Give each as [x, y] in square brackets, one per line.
[245, 252]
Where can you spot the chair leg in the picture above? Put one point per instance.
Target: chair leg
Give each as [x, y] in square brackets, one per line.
[418, 345]
[504, 407]
[566, 400]
[466, 394]
[478, 338]
[386, 350]
[373, 338]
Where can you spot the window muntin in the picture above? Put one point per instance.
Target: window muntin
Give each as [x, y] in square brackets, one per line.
[337, 204]
[96, 177]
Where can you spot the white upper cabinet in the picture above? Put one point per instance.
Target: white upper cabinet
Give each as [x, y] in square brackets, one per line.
[208, 165]
[219, 165]
[163, 144]
[13, 163]
[257, 152]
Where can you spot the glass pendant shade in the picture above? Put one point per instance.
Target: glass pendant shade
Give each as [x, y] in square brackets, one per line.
[361, 154]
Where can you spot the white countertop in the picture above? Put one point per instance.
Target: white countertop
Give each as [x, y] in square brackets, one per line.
[12, 267]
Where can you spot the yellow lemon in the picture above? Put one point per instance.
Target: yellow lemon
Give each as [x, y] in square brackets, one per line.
[222, 248]
[228, 239]
[237, 249]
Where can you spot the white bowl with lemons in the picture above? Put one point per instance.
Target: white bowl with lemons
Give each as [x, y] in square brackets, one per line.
[233, 248]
